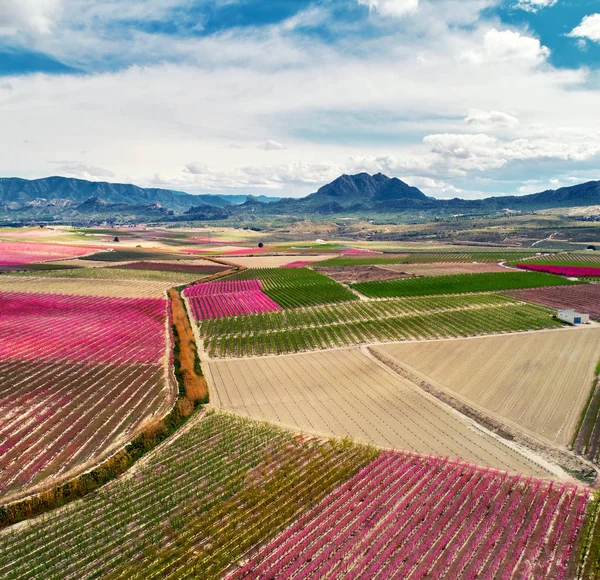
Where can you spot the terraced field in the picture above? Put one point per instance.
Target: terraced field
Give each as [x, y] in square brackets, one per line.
[366, 322]
[348, 393]
[79, 376]
[540, 381]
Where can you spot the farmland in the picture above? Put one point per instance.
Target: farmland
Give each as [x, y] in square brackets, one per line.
[78, 375]
[445, 268]
[294, 287]
[228, 298]
[20, 253]
[425, 258]
[121, 274]
[315, 329]
[191, 510]
[85, 286]
[458, 284]
[200, 269]
[410, 517]
[583, 297]
[591, 259]
[540, 381]
[347, 274]
[579, 271]
[348, 393]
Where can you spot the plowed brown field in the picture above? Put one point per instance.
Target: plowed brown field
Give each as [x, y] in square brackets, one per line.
[348, 393]
[443, 268]
[539, 380]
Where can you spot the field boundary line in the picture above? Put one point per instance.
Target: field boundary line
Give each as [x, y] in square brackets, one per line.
[501, 428]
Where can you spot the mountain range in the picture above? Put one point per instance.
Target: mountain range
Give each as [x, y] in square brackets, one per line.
[66, 198]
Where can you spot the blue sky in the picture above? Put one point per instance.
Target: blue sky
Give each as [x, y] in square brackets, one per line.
[459, 97]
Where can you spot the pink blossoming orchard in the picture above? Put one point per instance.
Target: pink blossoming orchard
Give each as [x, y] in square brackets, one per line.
[228, 298]
[78, 375]
[21, 253]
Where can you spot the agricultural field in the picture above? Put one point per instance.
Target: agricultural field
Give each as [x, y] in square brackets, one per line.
[94, 273]
[204, 268]
[295, 287]
[274, 261]
[85, 286]
[540, 381]
[381, 321]
[589, 258]
[228, 298]
[425, 258]
[135, 254]
[574, 271]
[192, 509]
[406, 516]
[348, 274]
[445, 268]
[346, 392]
[458, 284]
[78, 376]
[21, 253]
[583, 297]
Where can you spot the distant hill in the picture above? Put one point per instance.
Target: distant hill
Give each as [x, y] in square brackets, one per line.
[21, 191]
[56, 198]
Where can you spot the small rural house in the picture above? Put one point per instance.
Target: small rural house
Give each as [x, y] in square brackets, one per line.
[573, 317]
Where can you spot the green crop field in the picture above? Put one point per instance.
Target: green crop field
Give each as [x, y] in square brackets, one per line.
[295, 287]
[197, 507]
[473, 321]
[458, 284]
[425, 258]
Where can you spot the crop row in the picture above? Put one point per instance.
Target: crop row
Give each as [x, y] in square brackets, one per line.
[343, 313]
[193, 510]
[458, 284]
[296, 287]
[54, 327]
[452, 323]
[407, 516]
[20, 253]
[118, 274]
[425, 258]
[579, 271]
[200, 269]
[567, 259]
[56, 416]
[213, 300]
[582, 297]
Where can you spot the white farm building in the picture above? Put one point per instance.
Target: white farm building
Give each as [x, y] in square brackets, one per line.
[573, 317]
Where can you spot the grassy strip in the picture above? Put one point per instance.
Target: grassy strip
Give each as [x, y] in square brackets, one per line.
[192, 393]
[458, 284]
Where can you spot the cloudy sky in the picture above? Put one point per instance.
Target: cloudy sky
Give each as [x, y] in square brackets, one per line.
[458, 97]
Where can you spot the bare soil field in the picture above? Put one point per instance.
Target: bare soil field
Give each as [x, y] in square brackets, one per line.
[347, 274]
[348, 393]
[539, 380]
[444, 268]
[582, 297]
[272, 261]
[85, 286]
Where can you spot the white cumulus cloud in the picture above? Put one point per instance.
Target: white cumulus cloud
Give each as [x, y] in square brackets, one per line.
[33, 16]
[396, 8]
[589, 28]
[508, 45]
